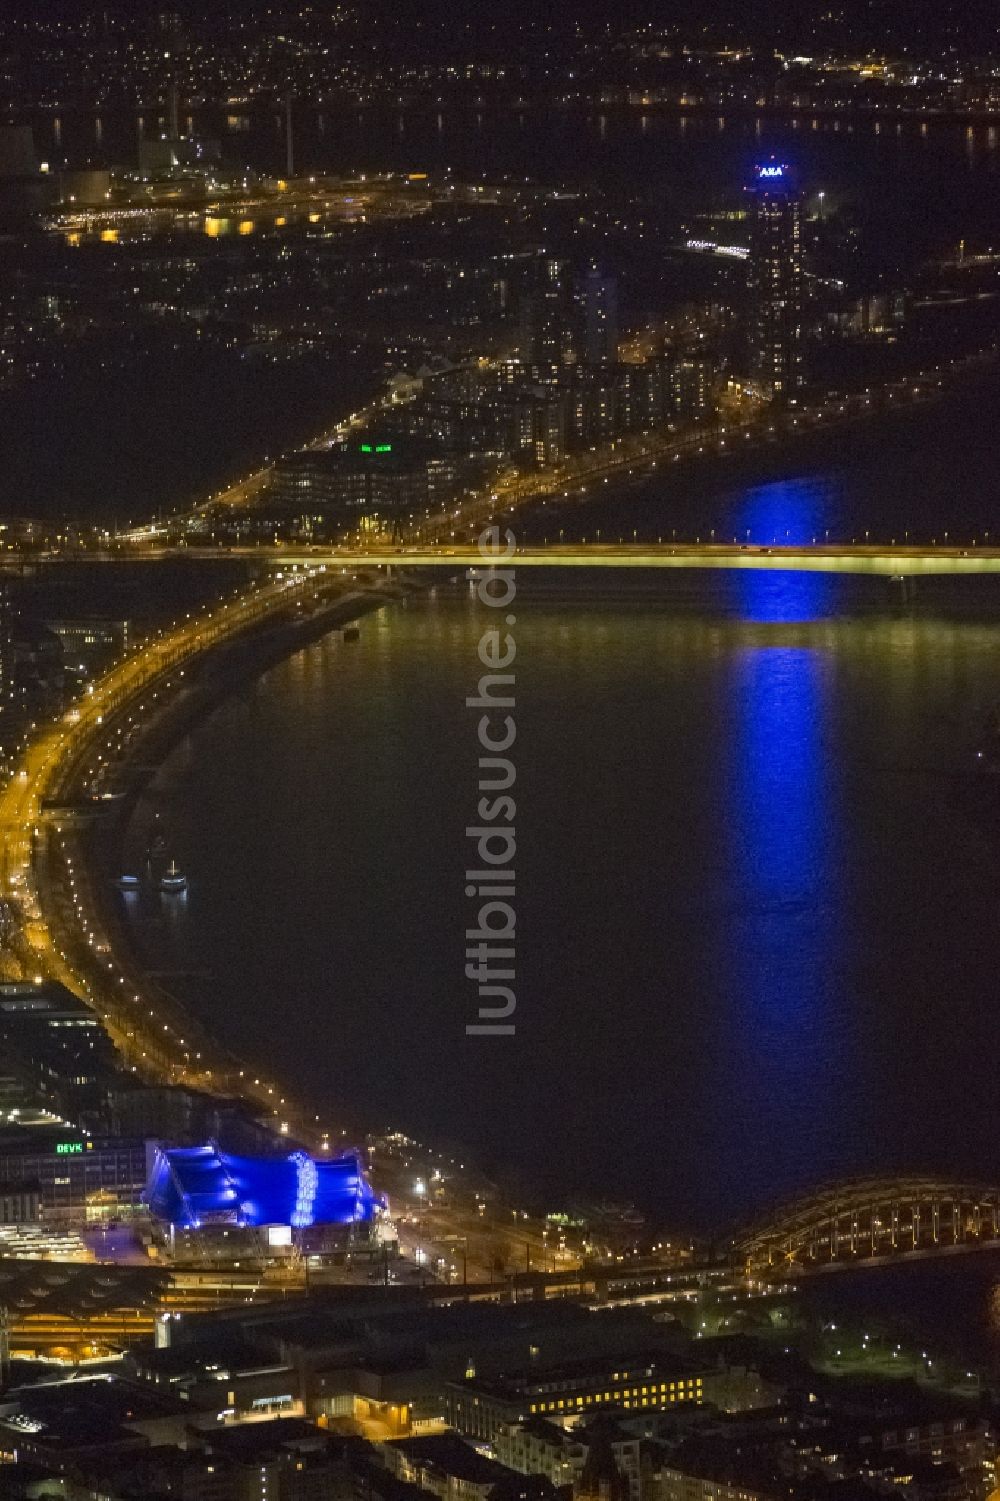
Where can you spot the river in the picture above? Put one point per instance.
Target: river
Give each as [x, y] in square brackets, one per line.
[758, 888]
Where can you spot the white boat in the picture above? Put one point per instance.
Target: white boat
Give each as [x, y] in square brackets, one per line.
[172, 879]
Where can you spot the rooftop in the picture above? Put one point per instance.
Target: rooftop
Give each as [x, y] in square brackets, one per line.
[83, 1411]
[450, 1454]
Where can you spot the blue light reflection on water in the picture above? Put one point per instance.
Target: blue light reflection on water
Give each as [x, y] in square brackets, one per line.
[786, 513]
[790, 512]
[782, 801]
[787, 1051]
[786, 597]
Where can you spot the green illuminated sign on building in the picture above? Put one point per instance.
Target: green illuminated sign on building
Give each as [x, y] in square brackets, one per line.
[66, 1147]
[378, 448]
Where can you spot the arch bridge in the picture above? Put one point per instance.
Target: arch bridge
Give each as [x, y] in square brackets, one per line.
[872, 1219]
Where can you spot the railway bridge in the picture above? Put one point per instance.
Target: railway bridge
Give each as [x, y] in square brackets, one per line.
[871, 1219]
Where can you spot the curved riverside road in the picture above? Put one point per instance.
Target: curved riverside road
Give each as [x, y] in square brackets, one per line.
[56, 789]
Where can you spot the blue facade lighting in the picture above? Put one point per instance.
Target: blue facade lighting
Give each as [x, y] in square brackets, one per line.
[190, 1187]
[306, 1188]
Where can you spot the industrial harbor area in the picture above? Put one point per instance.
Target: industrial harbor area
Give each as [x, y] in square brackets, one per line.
[499, 751]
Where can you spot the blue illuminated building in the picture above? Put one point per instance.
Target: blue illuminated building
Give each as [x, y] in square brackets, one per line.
[193, 1187]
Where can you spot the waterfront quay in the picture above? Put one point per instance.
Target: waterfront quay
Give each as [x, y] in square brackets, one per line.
[65, 779]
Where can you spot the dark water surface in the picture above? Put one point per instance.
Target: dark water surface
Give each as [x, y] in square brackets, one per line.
[758, 909]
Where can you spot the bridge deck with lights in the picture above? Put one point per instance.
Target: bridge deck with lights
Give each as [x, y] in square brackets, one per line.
[885, 560]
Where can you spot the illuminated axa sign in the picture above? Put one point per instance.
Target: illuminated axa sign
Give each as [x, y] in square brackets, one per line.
[771, 171]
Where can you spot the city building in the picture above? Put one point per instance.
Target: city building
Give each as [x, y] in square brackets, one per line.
[775, 282]
[103, 1437]
[224, 1377]
[90, 645]
[32, 668]
[443, 1464]
[483, 1409]
[176, 155]
[568, 320]
[703, 1470]
[549, 316]
[194, 1188]
[58, 1422]
[384, 1362]
[17, 152]
[6, 656]
[885, 1436]
[597, 298]
[691, 380]
[80, 1179]
[87, 187]
[371, 481]
[183, 1117]
[539, 1446]
[594, 405]
[601, 1479]
[20, 1204]
[24, 185]
[57, 1055]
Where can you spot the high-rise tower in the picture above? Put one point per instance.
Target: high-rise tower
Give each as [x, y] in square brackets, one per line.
[6, 654]
[597, 297]
[775, 281]
[548, 335]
